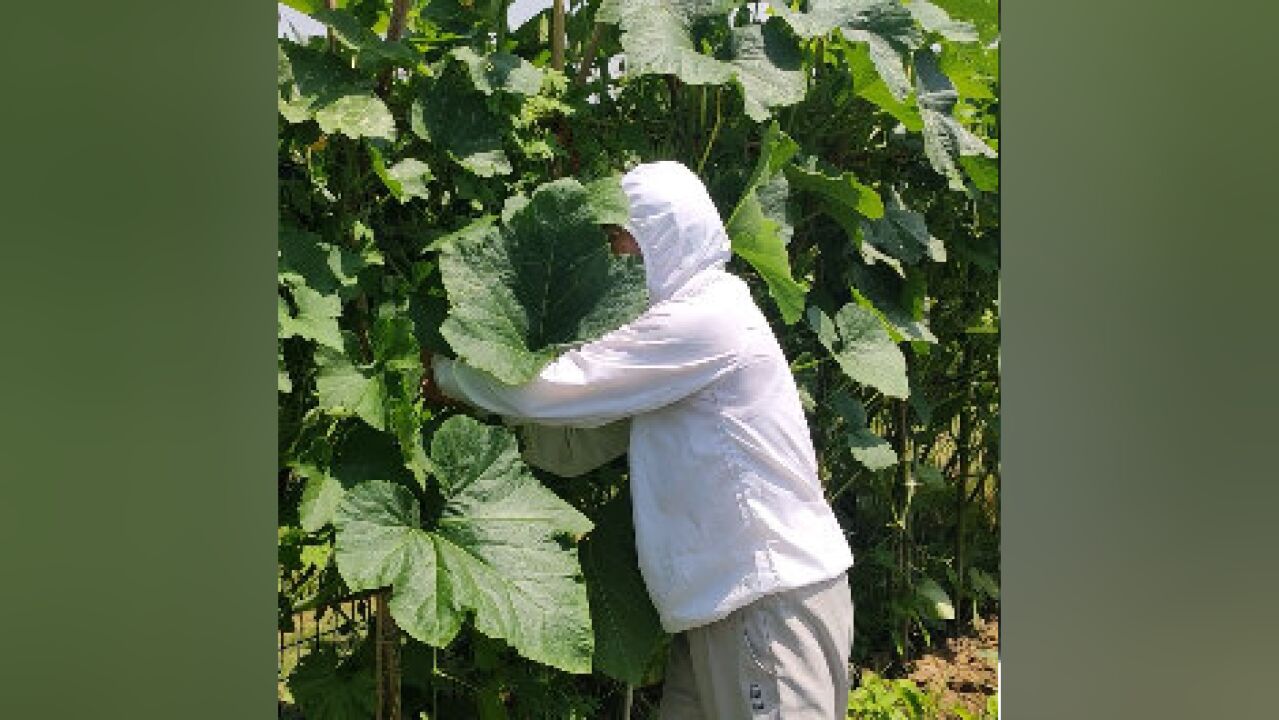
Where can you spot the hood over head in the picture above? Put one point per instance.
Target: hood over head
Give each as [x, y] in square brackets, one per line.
[676, 226]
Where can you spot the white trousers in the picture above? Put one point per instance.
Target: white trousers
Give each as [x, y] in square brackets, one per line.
[782, 657]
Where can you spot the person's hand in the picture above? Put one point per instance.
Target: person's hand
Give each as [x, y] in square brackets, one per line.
[622, 241]
[428, 389]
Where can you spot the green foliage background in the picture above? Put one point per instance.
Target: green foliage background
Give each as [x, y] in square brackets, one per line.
[431, 184]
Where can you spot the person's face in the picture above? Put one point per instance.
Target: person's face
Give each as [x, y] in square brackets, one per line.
[621, 241]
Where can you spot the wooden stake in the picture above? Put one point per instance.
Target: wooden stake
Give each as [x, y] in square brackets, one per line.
[557, 35]
[388, 660]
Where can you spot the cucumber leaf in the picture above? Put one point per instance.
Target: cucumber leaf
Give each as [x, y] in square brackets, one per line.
[495, 551]
[522, 291]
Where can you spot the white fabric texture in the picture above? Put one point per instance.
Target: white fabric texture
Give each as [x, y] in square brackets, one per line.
[723, 477]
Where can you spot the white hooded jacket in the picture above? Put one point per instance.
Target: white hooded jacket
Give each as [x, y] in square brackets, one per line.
[723, 477]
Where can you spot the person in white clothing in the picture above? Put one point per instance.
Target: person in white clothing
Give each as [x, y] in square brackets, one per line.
[742, 555]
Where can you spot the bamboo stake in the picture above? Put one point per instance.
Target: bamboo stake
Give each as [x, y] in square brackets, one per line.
[627, 700]
[394, 31]
[395, 27]
[907, 485]
[588, 55]
[961, 483]
[557, 35]
[388, 661]
[331, 5]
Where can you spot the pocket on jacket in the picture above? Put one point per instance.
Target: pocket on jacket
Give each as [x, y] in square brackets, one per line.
[759, 647]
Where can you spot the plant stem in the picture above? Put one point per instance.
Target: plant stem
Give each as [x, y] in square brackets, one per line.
[500, 21]
[847, 484]
[714, 133]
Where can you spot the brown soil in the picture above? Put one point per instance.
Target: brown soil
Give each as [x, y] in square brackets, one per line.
[964, 672]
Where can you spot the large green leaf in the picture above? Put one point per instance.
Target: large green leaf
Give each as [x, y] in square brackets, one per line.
[461, 16]
[522, 291]
[345, 389]
[305, 258]
[314, 275]
[945, 140]
[758, 231]
[320, 497]
[316, 318]
[973, 70]
[983, 14]
[935, 19]
[372, 51]
[902, 234]
[846, 196]
[866, 447]
[882, 292]
[983, 171]
[627, 628]
[362, 454]
[392, 340]
[657, 38]
[607, 201]
[356, 115]
[327, 686]
[862, 348]
[367, 454]
[405, 179]
[315, 85]
[459, 121]
[885, 26]
[983, 583]
[689, 11]
[934, 600]
[759, 240]
[500, 72]
[397, 355]
[495, 550]
[769, 66]
[867, 84]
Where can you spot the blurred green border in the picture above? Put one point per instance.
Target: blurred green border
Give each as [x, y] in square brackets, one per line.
[138, 363]
[138, 430]
[1139, 577]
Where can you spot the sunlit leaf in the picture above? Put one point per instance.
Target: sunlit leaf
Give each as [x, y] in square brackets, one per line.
[522, 291]
[767, 62]
[945, 139]
[758, 231]
[494, 552]
[315, 85]
[885, 26]
[862, 348]
[459, 121]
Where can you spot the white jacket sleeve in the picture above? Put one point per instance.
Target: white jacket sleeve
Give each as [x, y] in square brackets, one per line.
[668, 353]
[569, 451]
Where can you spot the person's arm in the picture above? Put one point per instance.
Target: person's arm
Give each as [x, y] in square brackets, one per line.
[667, 354]
[570, 451]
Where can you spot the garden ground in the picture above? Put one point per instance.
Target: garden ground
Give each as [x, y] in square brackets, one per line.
[964, 672]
